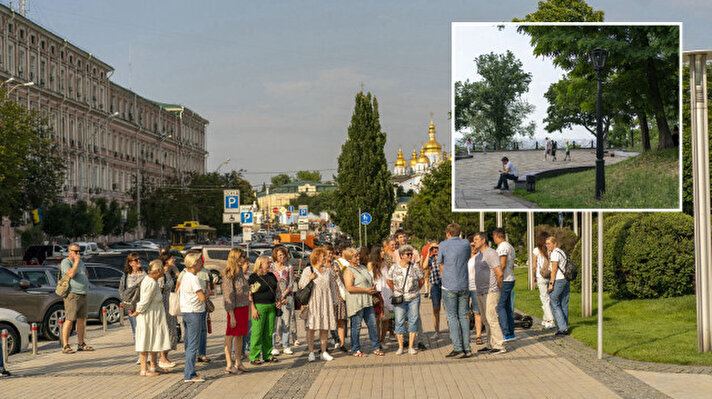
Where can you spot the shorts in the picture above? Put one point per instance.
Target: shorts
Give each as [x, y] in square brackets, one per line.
[473, 297]
[75, 307]
[436, 294]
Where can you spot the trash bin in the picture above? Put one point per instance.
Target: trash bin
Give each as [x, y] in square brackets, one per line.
[531, 183]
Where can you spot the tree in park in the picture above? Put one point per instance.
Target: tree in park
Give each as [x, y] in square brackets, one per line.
[279, 180]
[492, 107]
[321, 202]
[363, 178]
[642, 64]
[312, 176]
[31, 164]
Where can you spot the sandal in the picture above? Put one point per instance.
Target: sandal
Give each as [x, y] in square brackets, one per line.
[244, 370]
[479, 341]
[232, 370]
[256, 362]
[67, 349]
[272, 360]
[144, 373]
[379, 353]
[359, 354]
[84, 347]
[157, 370]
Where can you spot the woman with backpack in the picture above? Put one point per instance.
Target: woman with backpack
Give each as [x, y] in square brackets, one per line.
[542, 272]
[320, 309]
[133, 275]
[559, 287]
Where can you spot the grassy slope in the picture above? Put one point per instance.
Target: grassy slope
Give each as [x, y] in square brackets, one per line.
[650, 180]
[655, 330]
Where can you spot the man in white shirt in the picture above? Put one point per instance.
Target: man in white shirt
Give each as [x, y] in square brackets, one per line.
[505, 308]
[508, 172]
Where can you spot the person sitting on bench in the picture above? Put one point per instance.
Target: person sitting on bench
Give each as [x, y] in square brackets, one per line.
[508, 172]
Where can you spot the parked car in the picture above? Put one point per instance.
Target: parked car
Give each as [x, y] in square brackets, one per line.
[145, 244]
[122, 245]
[104, 275]
[18, 330]
[117, 260]
[36, 254]
[88, 248]
[30, 291]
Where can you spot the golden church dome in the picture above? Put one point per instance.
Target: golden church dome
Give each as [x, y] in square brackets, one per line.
[423, 159]
[400, 162]
[413, 159]
[432, 146]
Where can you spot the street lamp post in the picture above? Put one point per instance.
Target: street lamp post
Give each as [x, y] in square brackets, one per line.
[7, 94]
[598, 58]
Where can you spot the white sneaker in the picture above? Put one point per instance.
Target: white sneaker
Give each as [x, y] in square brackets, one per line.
[412, 351]
[275, 352]
[326, 356]
[296, 342]
[311, 357]
[138, 361]
[337, 345]
[399, 351]
[287, 351]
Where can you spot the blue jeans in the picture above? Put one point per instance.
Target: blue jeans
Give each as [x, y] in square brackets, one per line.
[246, 337]
[505, 310]
[367, 315]
[132, 322]
[503, 177]
[193, 326]
[560, 303]
[456, 305]
[283, 323]
[2, 365]
[203, 346]
[411, 309]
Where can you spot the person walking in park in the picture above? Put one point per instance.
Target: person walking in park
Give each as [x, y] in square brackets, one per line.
[505, 307]
[320, 310]
[541, 278]
[133, 275]
[192, 307]
[432, 271]
[452, 260]
[488, 279]
[547, 148]
[152, 335]
[285, 277]
[508, 172]
[236, 297]
[472, 285]
[568, 151]
[468, 145]
[484, 147]
[405, 279]
[75, 304]
[265, 298]
[553, 150]
[167, 285]
[359, 302]
[559, 288]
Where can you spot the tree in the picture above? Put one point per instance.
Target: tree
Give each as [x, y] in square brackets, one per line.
[321, 202]
[31, 165]
[363, 178]
[279, 180]
[57, 220]
[305, 175]
[492, 107]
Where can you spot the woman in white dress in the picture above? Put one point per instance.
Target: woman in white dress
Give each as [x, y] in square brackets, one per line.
[320, 310]
[542, 271]
[152, 334]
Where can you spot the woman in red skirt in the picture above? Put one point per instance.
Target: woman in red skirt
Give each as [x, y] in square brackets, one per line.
[236, 294]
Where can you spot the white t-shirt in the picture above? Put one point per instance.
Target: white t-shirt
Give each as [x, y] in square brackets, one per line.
[512, 169]
[557, 256]
[540, 259]
[189, 302]
[506, 249]
[471, 274]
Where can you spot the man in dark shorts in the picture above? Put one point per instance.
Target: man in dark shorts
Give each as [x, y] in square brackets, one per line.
[75, 304]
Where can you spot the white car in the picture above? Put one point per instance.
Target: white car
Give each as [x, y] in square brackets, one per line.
[147, 244]
[18, 331]
[88, 248]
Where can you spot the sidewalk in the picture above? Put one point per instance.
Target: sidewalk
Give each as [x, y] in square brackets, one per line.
[536, 365]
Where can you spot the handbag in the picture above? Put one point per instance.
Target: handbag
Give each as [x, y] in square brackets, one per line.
[398, 299]
[304, 294]
[209, 305]
[62, 286]
[174, 304]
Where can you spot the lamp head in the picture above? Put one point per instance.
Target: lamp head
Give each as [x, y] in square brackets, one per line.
[598, 58]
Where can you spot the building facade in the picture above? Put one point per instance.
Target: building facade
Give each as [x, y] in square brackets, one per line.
[280, 196]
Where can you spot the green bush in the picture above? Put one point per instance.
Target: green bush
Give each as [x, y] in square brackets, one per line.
[566, 238]
[659, 256]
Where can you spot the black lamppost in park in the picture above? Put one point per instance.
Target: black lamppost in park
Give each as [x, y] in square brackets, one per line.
[598, 58]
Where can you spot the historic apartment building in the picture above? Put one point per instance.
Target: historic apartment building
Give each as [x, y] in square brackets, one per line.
[109, 134]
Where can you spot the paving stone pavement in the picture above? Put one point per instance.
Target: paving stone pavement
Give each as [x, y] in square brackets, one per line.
[536, 365]
[474, 178]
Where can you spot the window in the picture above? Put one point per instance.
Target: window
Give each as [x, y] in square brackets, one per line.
[8, 278]
[107, 273]
[36, 277]
[11, 58]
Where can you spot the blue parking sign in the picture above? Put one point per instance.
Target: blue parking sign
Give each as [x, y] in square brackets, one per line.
[246, 218]
[231, 201]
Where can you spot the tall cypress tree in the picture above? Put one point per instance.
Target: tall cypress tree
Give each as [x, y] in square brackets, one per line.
[363, 178]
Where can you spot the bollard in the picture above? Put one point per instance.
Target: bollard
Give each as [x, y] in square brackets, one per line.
[121, 315]
[34, 339]
[61, 329]
[4, 347]
[104, 322]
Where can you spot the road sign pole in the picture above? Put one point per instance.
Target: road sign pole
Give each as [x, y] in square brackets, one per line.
[360, 243]
[232, 235]
[365, 232]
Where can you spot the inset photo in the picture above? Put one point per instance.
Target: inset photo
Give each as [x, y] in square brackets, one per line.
[566, 116]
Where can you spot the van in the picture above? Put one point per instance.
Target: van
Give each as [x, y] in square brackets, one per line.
[312, 241]
[37, 254]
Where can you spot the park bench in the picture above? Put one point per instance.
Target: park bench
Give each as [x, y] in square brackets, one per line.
[528, 180]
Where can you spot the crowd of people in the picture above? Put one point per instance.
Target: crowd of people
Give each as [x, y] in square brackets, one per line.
[379, 286]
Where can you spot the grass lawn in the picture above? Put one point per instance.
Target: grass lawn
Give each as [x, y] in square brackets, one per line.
[649, 180]
[653, 330]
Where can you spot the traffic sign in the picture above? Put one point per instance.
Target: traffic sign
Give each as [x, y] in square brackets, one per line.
[303, 236]
[231, 201]
[231, 218]
[246, 234]
[365, 218]
[289, 213]
[246, 218]
[290, 209]
[282, 210]
[303, 211]
[303, 226]
[275, 210]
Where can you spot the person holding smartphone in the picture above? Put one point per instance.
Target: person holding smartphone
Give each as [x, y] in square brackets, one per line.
[75, 304]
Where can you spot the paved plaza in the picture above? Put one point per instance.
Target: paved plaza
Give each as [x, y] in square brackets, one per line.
[475, 177]
[537, 365]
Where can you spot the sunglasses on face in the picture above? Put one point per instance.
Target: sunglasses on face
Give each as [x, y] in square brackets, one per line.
[74, 250]
[408, 254]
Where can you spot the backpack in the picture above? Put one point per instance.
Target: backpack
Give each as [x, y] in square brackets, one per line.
[569, 269]
[130, 296]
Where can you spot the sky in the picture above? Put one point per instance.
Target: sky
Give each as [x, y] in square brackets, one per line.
[277, 80]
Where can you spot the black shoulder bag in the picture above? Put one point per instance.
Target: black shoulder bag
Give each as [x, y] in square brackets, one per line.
[398, 299]
[304, 294]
